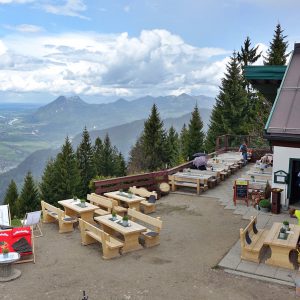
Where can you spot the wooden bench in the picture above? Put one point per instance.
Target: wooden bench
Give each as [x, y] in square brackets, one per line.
[52, 214]
[145, 206]
[187, 182]
[153, 225]
[216, 175]
[252, 241]
[106, 205]
[90, 234]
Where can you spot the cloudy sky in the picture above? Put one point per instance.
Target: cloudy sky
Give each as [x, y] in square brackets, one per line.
[104, 50]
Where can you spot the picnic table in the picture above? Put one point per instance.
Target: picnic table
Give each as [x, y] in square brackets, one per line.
[280, 249]
[73, 209]
[133, 201]
[131, 233]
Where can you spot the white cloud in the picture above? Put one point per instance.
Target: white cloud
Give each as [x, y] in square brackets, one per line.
[72, 8]
[127, 8]
[156, 63]
[24, 28]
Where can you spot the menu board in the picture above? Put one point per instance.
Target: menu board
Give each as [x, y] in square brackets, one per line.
[240, 190]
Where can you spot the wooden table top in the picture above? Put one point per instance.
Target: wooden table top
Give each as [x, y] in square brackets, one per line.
[116, 195]
[290, 242]
[193, 175]
[134, 227]
[71, 204]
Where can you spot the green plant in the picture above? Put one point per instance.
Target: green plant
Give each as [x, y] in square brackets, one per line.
[268, 190]
[113, 213]
[286, 223]
[265, 203]
[75, 197]
[5, 250]
[125, 218]
[82, 200]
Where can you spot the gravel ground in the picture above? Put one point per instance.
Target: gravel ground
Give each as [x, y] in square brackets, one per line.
[197, 233]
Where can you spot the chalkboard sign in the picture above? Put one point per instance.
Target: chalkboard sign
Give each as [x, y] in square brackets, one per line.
[240, 191]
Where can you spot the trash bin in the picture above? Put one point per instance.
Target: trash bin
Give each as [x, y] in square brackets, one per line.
[276, 201]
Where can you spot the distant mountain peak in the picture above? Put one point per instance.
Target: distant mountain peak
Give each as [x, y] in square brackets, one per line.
[71, 99]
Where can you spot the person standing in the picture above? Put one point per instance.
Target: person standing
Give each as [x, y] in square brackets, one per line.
[244, 150]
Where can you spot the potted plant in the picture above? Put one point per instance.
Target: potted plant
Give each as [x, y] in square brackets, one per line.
[113, 215]
[125, 220]
[286, 225]
[268, 190]
[5, 250]
[75, 198]
[265, 205]
[252, 178]
[282, 233]
[129, 194]
[82, 203]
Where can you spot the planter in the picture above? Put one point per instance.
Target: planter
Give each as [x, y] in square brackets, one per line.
[125, 223]
[265, 209]
[282, 235]
[82, 204]
[286, 227]
[5, 255]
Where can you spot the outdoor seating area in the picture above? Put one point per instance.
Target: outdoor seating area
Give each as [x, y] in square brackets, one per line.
[114, 220]
[217, 169]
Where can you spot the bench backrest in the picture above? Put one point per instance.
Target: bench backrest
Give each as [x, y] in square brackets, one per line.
[202, 172]
[46, 206]
[245, 234]
[101, 201]
[85, 226]
[155, 222]
[142, 192]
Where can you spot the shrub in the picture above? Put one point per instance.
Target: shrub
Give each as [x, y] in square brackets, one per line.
[265, 203]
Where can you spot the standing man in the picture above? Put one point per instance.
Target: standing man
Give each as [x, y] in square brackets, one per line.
[244, 150]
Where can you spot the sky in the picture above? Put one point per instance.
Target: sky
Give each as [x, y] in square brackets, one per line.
[106, 50]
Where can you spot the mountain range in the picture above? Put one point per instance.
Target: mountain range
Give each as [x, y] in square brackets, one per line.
[68, 116]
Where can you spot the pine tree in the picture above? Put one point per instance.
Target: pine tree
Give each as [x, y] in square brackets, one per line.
[48, 186]
[67, 176]
[98, 151]
[86, 165]
[29, 197]
[276, 54]
[184, 136]
[119, 164]
[195, 133]
[154, 141]
[136, 161]
[106, 163]
[248, 55]
[229, 115]
[173, 147]
[11, 198]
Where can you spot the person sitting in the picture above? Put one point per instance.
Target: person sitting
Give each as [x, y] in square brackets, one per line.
[200, 162]
[295, 213]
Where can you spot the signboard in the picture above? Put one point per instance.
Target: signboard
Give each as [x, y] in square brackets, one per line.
[281, 177]
[240, 191]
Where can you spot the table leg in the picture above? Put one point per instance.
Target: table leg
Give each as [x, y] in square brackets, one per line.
[107, 229]
[131, 242]
[280, 257]
[70, 212]
[135, 205]
[88, 216]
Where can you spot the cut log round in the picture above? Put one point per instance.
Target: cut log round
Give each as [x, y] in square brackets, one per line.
[164, 188]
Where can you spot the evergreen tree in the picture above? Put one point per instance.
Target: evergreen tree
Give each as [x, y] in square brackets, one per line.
[184, 137]
[229, 115]
[248, 55]
[276, 54]
[154, 142]
[107, 158]
[85, 159]
[136, 161]
[48, 185]
[67, 176]
[195, 133]
[119, 164]
[173, 147]
[29, 197]
[11, 198]
[98, 151]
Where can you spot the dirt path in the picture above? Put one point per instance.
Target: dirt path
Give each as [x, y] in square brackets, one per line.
[196, 235]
